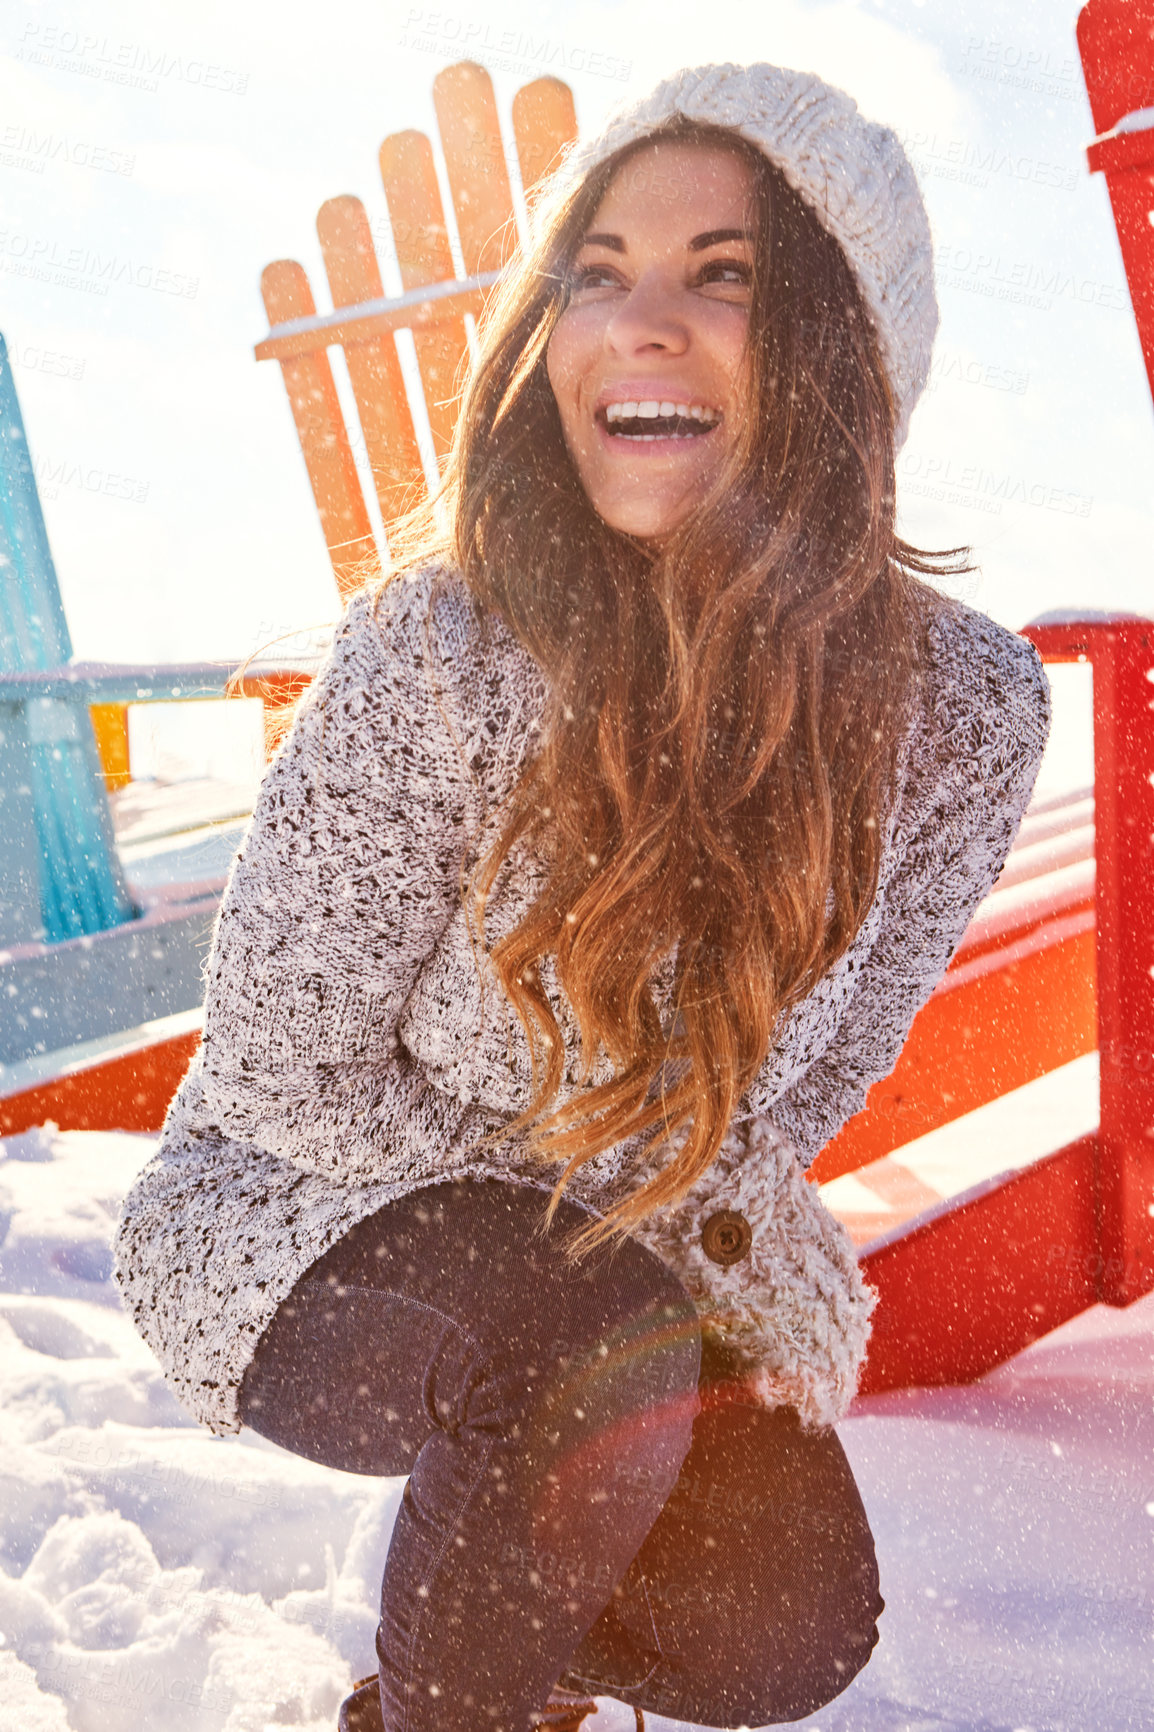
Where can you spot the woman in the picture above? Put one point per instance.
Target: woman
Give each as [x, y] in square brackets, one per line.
[658, 741]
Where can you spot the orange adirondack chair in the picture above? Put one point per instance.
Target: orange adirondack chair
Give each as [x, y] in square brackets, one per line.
[433, 304]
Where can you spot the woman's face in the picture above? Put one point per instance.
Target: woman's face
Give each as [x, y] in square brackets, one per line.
[647, 362]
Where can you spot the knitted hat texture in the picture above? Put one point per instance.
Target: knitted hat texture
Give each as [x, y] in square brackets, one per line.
[853, 174]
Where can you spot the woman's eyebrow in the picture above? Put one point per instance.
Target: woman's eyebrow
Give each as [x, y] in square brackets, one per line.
[699, 243]
[714, 237]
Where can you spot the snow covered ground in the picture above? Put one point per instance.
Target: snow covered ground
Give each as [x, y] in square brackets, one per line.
[153, 1576]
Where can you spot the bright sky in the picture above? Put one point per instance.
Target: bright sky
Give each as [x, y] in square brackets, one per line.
[191, 146]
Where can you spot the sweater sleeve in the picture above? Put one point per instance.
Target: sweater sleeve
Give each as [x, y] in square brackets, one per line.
[346, 879]
[959, 824]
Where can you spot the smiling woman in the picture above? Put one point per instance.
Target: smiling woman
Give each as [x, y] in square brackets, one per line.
[648, 360]
[634, 817]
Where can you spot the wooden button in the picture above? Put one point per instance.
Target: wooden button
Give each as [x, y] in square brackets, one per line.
[726, 1237]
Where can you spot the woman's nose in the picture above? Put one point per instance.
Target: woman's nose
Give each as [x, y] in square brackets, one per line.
[649, 316]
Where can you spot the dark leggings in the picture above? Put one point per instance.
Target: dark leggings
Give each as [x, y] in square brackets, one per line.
[583, 1507]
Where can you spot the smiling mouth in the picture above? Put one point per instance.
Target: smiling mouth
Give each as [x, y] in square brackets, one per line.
[652, 420]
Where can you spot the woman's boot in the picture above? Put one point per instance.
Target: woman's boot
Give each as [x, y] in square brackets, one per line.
[361, 1712]
[564, 1713]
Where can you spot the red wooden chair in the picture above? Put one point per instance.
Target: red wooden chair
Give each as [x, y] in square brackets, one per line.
[977, 1282]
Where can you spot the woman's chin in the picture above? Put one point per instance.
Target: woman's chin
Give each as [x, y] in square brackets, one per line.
[645, 519]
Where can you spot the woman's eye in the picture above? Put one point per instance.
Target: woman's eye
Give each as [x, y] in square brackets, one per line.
[727, 271]
[593, 277]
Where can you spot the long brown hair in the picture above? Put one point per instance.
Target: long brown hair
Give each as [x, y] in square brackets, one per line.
[724, 711]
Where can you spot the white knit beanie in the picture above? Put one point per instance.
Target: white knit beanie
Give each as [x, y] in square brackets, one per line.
[853, 174]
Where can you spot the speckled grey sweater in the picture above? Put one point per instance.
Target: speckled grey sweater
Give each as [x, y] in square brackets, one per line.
[353, 1051]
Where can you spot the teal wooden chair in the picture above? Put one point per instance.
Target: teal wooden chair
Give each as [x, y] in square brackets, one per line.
[79, 959]
[59, 873]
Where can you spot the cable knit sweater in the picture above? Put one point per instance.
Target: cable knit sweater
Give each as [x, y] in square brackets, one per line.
[355, 1049]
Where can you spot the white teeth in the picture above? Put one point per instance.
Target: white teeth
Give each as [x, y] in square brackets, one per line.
[650, 409]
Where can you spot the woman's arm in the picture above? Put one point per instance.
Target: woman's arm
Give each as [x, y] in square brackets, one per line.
[346, 880]
[991, 720]
[791, 1319]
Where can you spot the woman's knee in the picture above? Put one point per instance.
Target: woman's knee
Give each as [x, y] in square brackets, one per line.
[786, 1694]
[800, 1676]
[762, 1571]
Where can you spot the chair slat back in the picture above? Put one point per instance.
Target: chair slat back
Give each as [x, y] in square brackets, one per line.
[33, 629]
[60, 870]
[421, 237]
[320, 426]
[483, 212]
[544, 122]
[1116, 42]
[475, 161]
[374, 365]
